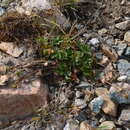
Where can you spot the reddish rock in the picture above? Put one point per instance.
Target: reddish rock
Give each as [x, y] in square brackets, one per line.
[18, 103]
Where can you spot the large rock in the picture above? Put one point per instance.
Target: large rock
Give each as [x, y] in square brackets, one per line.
[20, 102]
[96, 104]
[120, 93]
[109, 107]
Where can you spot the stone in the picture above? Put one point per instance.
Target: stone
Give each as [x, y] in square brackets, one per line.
[127, 53]
[127, 36]
[109, 107]
[121, 48]
[84, 85]
[96, 104]
[122, 78]
[20, 102]
[123, 25]
[120, 93]
[104, 60]
[79, 94]
[123, 66]
[107, 74]
[107, 125]
[2, 11]
[109, 52]
[71, 125]
[11, 49]
[102, 31]
[5, 3]
[3, 79]
[80, 103]
[85, 126]
[94, 41]
[124, 116]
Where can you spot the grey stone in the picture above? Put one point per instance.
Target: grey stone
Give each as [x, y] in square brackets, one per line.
[96, 104]
[80, 103]
[123, 25]
[121, 48]
[79, 94]
[94, 41]
[2, 11]
[84, 85]
[71, 125]
[120, 93]
[123, 66]
[127, 53]
[124, 118]
[5, 3]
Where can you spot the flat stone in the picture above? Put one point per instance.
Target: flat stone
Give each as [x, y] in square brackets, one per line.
[107, 125]
[127, 36]
[120, 93]
[124, 117]
[85, 126]
[11, 49]
[20, 102]
[96, 104]
[123, 25]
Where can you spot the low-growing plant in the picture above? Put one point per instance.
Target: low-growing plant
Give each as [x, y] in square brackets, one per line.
[71, 56]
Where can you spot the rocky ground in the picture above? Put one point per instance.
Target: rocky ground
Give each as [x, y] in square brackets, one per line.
[32, 97]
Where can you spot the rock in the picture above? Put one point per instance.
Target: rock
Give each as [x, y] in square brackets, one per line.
[121, 48]
[84, 85]
[71, 125]
[79, 94]
[29, 5]
[11, 49]
[3, 79]
[120, 93]
[3, 69]
[5, 3]
[122, 78]
[124, 118]
[94, 41]
[123, 66]
[2, 11]
[20, 102]
[102, 31]
[109, 107]
[85, 126]
[104, 60]
[101, 91]
[107, 125]
[123, 25]
[127, 36]
[96, 104]
[127, 53]
[109, 52]
[80, 103]
[107, 74]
